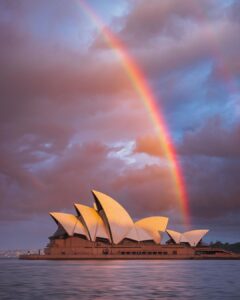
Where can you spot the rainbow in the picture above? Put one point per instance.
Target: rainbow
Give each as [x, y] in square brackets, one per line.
[141, 86]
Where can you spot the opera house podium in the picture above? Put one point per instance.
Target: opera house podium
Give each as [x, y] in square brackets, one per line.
[106, 231]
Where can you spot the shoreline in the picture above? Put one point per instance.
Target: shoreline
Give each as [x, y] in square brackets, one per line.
[130, 257]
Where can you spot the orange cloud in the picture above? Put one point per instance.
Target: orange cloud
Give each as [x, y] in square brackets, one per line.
[149, 144]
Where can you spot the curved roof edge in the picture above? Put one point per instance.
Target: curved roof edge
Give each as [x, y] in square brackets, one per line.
[69, 222]
[115, 217]
[192, 237]
[138, 234]
[92, 221]
[153, 225]
[174, 235]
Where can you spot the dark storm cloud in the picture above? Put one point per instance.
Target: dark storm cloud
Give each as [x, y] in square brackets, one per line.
[49, 90]
[147, 191]
[67, 105]
[213, 140]
[53, 183]
[213, 187]
[210, 161]
[59, 181]
[198, 31]
[146, 20]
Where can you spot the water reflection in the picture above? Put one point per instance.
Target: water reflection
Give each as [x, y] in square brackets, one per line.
[119, 279]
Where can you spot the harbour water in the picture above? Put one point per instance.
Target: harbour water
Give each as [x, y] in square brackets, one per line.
[104, 280]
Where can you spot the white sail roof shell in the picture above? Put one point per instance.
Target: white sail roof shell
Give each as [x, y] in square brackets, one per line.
[118, 219]
[153, 225]
[175, 236]
[132, 234]
[93, 222]
[70, 223]
[192, 237]
[101, 230]
[138, 234]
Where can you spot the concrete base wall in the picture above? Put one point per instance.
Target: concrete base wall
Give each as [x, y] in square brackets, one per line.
[78, 248]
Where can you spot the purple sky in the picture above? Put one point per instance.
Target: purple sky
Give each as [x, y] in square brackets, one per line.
[71, 121]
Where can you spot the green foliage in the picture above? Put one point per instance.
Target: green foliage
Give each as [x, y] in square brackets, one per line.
[230, 247]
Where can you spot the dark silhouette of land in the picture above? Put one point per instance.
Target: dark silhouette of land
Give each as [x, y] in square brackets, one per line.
[235, 247]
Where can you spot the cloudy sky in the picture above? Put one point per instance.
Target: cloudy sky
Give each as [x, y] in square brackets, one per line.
[71, 120]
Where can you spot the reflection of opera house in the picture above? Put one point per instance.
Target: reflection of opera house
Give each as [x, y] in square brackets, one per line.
[106, 231]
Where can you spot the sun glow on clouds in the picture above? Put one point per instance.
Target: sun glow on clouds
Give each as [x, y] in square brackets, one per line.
[126, 152]
[70, 120]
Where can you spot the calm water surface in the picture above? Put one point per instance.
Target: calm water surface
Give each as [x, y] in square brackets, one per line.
[119, 279]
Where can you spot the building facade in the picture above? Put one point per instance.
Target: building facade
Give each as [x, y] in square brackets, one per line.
[107, 231]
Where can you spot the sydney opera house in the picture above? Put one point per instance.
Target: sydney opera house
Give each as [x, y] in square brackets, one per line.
[106, 231]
